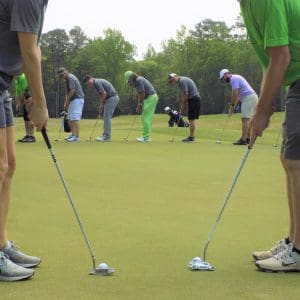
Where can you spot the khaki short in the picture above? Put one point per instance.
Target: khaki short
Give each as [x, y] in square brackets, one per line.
[248, 104]
[291, 127]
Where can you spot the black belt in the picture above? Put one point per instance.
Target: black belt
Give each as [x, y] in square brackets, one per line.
[5, 81]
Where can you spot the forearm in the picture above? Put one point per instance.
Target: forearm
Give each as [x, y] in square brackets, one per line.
[69, 97]
[31, 57]
[273, 77]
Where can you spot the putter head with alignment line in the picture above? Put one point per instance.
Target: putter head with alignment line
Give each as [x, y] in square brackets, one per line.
[102, 270]
[196, 264]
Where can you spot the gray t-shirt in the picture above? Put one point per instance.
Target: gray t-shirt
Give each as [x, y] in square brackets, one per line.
[18, 16]
[73, 83]
[188, 85]
[143, 85]
[102, 85]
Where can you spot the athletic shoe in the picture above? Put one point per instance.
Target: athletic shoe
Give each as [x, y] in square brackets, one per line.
[279, 246]
[143, 140]
[29, 139]
[73, 139]
[241, 141]
[189, 139]
[102, 139]
[68, 137]
[16, 256]
[285, 261]
[9, 271]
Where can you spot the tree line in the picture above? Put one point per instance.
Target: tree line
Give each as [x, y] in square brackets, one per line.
[199, 54]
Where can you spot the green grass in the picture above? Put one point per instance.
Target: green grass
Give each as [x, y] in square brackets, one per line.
[148, 209]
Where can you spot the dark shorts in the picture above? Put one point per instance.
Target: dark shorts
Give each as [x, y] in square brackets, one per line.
[291, 127]
[194, 107]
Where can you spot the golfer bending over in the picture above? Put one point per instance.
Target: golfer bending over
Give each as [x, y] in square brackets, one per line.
[108, 98]
[147, 101]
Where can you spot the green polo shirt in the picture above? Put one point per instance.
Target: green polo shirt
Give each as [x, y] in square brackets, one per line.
[274, 23]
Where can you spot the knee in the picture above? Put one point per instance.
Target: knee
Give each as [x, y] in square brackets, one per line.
[3, 169]
[292, 166]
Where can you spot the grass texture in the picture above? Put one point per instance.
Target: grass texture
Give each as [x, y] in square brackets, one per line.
[148, 209]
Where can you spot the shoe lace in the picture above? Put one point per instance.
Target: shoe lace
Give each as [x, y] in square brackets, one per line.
[286, 254]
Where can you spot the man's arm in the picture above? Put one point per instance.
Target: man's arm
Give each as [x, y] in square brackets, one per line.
[185, 99]
[271, 83]
[31, 57]
[234, 101]
[140, 101]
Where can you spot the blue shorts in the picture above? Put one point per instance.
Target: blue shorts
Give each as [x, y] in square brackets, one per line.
[291, 127]
[6, 112]
[75, 109]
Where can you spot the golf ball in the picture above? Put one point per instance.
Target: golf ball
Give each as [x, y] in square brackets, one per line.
[218, 142]
[196, 259]
[103, 266]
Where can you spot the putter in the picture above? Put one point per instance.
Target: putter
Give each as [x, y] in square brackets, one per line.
[59, 134]
[175, 130]
[100, 270]
[131, 128]
[196, 263]
[221, 135]
[277, 139]
[95, 125]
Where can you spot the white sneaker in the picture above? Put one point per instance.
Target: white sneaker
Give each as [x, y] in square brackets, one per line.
[16, 256]
[68, 137]
[73, 139]
[285, 261]
[279, 246]
[143, 140]
[10, 271]
[102, 139]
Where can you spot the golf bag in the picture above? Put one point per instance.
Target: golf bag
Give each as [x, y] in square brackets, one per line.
[176, 118]
[64, 122]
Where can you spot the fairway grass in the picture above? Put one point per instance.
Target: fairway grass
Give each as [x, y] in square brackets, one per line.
[148, 209]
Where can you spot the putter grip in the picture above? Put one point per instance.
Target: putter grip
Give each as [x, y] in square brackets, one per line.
[46, 138]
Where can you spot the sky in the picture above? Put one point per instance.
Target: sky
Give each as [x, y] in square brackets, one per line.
[140, 22]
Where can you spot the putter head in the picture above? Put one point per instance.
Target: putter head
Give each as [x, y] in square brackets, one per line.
[196, 264]
[218, 142]
[275, 145]
[125, 139]
[102, 271]
[171, 140]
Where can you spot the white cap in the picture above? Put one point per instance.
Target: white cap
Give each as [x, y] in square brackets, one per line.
[171, 76]
[223, 72]
[167, 108]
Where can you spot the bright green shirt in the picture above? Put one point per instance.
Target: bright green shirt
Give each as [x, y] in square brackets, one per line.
[20, 85]
[274, 23]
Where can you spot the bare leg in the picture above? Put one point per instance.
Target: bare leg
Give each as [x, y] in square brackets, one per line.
[192, 127]
[75, 128]
[245, 128]
[7, 168]
[29, 128]
[293, 174]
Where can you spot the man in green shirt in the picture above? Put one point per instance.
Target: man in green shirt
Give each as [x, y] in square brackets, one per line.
[24, 101]
[274, 31]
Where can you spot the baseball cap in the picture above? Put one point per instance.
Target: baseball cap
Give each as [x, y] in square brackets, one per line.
[167, 108]
[61, 71]
[86, 78]
[171, 76]
[223, 72]
[127, 75]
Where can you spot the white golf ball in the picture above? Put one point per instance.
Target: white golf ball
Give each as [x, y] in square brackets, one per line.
[103, 266]
[218, 142]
